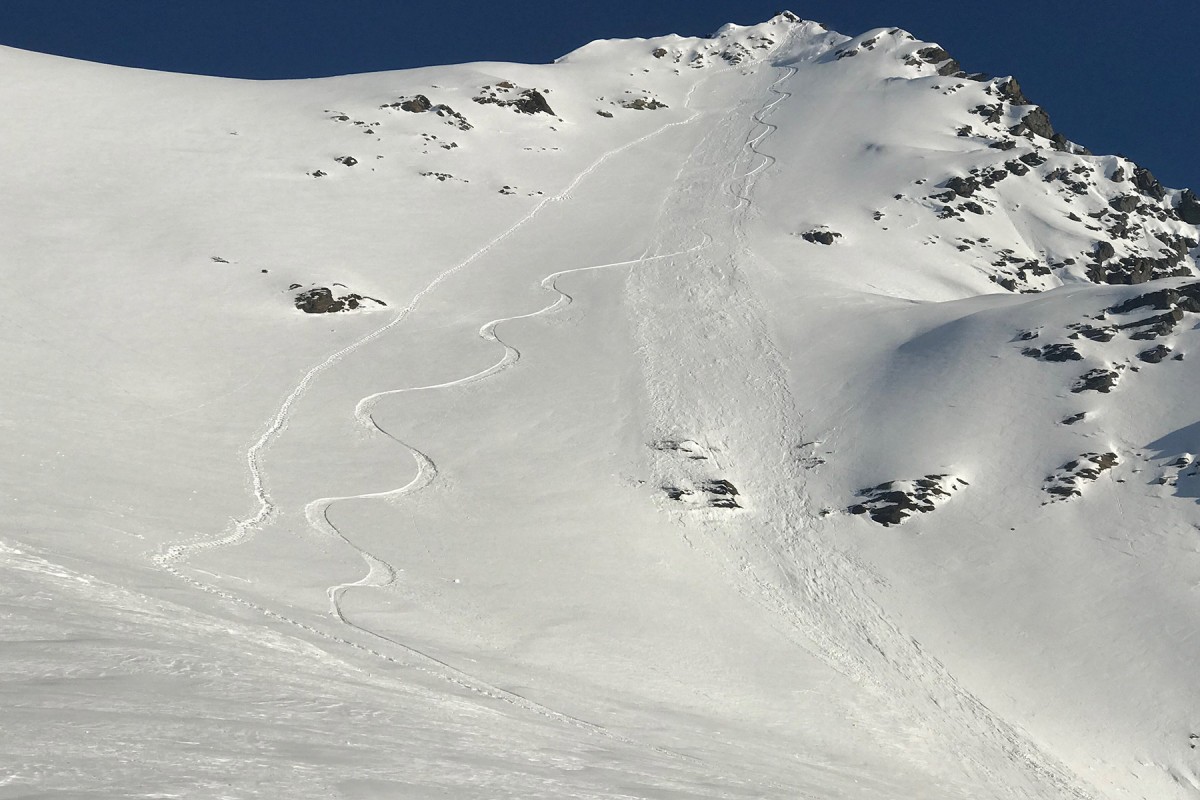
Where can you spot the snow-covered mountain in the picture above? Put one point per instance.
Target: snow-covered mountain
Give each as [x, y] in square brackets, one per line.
[780, 414]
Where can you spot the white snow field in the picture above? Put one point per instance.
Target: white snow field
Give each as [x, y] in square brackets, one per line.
[715, 421]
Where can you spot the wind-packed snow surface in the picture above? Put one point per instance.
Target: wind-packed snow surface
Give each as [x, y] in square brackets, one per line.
[772, 415]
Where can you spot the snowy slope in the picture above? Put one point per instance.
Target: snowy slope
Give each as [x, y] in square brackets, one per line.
[780, 414]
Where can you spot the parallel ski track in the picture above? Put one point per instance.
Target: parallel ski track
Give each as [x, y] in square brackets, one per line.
[172, 558]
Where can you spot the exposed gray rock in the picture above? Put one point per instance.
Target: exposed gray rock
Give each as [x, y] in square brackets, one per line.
[1153, 327]
[1036, 121]
[1154, 354]
[416, 105]
[1010, 90]
[322, 300]
[1097, 380]
[452, 117]
[715, 493]
[1060, 353]
[1104, 333]
[1189, 207]
[1185, 297]
[936, 55]
[1067, 481]
[821, 236]
[1147, 184]
[531, 101]
[643, 104]
[893, 502]
[1125, 203]
[963, 186]
[1017, 168]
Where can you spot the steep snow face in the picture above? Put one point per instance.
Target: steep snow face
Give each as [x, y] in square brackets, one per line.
[732, 417]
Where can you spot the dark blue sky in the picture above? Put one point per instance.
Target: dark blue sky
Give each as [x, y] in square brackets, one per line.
[1115, 76]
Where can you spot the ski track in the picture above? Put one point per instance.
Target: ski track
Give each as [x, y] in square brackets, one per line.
[751, 177]
[171, 558]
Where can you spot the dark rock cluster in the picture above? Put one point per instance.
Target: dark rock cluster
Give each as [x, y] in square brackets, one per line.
[1151, 315]
[420, 104]
[523, 101]
[643, 104]
[1173, 303]
[717, 493]
[1053, 352]
[1132, 238]
[946, 65]
[895, 501]
[323, 300]
[1096, 380]
[819, 236]
[1067, 481]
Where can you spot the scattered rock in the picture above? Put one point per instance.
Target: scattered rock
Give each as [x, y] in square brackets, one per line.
[1096, 380]
[708, 493]
[722, 487]
[525, 101]
[818, 236]
[322, 300]
[1155, 354]
[349, 161]
[1103, 333]
[1067, 481]
[452, 117]
[1054, 353]
[936, 55]
[1071, 420]
[1036, 121]
[1010, 90]
[643, 104]
[607, 114]
[1189, 207]
[963, 186]
[1125, 203]
[1186, 297]
[892, 502]
[688, 448]
[659, 52]
[416, 105]
[1145, 182]
[1153, 327]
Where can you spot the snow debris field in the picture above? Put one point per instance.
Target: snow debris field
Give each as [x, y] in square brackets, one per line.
[773, 415]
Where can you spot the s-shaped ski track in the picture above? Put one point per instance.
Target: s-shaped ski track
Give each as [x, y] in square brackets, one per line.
[172, 557]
